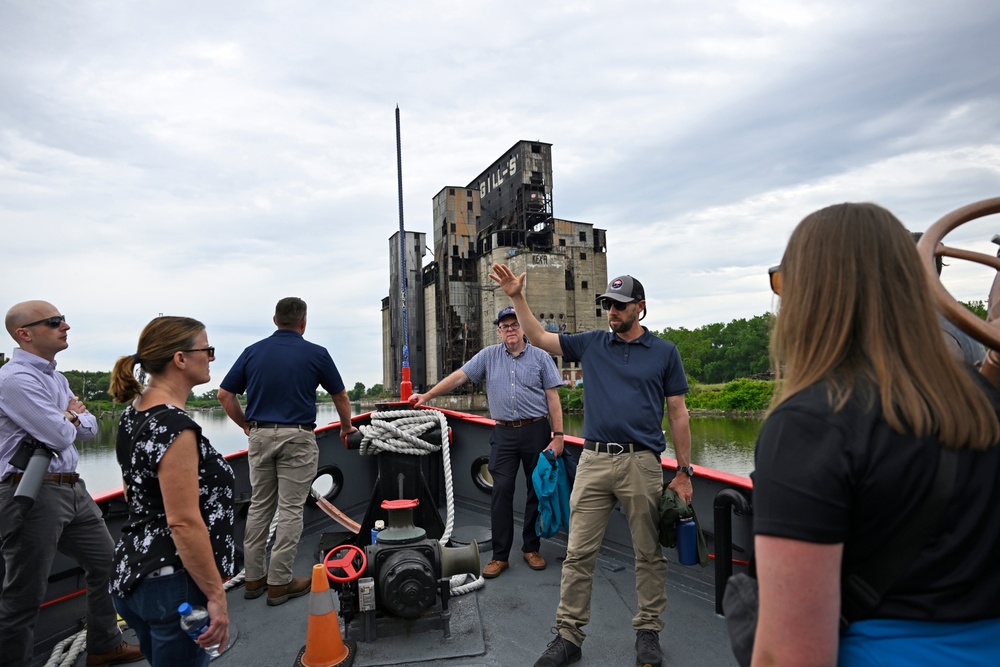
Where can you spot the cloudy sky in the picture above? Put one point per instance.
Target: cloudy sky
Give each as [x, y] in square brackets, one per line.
[209, 158]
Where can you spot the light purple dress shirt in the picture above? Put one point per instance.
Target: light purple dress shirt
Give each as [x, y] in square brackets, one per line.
[33, 398]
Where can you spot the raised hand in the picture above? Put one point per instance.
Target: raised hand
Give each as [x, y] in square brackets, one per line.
[503, 276]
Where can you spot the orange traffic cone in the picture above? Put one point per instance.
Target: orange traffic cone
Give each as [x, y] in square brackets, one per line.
[325, 646]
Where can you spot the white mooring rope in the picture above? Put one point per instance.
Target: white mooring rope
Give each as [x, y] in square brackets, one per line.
[65, 652]
[402, 436]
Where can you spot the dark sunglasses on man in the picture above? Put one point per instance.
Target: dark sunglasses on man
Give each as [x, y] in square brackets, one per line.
[53, 322]
[608, 304]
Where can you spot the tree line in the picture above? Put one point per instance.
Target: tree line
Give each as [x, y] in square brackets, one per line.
[719, 352]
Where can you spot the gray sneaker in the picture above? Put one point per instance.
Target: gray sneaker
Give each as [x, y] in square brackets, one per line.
[561, 652]
[647, 648]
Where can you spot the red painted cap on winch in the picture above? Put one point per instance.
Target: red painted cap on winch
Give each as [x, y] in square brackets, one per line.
[401, 504]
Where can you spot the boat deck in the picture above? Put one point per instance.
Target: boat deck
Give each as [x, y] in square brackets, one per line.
[505, 623]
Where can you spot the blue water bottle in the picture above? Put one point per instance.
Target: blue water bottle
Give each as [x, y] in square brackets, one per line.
[687, 542]
[194, 621]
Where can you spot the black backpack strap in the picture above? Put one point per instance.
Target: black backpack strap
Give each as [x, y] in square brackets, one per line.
[863, 589]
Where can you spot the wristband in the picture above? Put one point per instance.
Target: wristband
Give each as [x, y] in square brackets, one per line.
[555, 433]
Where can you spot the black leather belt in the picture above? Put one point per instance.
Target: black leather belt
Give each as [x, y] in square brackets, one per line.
[519, 422]
[304, 427]
[613, 448]
[57, 477]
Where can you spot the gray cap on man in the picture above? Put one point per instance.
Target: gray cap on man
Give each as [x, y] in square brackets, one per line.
[624, 289]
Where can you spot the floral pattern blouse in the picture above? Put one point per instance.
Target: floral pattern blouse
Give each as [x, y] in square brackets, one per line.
[146, 545]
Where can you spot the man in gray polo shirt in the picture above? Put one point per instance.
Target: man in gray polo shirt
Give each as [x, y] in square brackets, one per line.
[521, 387]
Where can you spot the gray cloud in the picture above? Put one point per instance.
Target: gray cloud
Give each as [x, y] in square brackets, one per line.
[210, 158]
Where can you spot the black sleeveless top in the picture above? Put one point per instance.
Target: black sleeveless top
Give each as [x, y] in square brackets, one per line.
[145, 544]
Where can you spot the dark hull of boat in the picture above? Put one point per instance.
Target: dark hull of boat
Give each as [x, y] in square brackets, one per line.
[512, 614]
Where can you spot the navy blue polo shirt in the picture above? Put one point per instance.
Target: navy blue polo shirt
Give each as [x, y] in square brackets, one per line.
[625, 385]
[279, 376]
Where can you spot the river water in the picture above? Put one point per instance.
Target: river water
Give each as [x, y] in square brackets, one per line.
[723, 443]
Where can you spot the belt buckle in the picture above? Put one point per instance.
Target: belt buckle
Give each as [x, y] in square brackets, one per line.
[621, 448]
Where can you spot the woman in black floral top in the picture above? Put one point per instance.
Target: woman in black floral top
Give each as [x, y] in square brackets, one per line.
[177, 545]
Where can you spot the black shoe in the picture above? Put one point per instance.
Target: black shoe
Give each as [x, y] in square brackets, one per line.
[561, 652]
[647, 648]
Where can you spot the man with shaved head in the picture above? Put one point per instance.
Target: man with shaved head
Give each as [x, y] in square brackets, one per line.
[38, 408]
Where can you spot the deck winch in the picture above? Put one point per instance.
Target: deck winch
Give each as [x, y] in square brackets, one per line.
[401, 576]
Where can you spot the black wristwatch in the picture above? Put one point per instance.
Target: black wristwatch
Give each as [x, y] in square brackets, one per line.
[688, 470]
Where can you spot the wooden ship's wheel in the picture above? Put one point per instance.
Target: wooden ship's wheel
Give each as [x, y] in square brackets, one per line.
[931, 246]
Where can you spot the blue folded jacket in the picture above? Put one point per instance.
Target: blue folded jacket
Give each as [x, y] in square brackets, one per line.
[553, 479]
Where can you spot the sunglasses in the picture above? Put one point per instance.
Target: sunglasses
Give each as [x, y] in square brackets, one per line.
[210, 350]
[774, 273]
[608, 304]
[53, 322]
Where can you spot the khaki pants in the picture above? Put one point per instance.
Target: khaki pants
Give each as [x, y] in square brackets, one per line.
[602, 480]
[283, 463]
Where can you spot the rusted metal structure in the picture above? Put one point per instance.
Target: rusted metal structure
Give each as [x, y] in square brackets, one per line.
[515, 198]
[505, 214]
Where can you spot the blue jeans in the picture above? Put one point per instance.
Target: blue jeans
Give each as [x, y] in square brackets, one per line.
[151, 610]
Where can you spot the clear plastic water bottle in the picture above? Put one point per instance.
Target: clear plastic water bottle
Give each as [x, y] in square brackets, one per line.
[195, 621]
[687, 542]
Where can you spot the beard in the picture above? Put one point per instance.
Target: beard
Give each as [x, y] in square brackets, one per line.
[626, 321]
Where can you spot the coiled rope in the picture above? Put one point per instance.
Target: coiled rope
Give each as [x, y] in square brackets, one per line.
[65, 652]
[399, 431]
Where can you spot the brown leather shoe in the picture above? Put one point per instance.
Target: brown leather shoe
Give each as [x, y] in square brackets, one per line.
[534, 560]
[119, 655]
[298, 586]
[254, 589]
[494, 568]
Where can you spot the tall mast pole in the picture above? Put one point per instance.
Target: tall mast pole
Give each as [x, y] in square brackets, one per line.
[405, 387]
